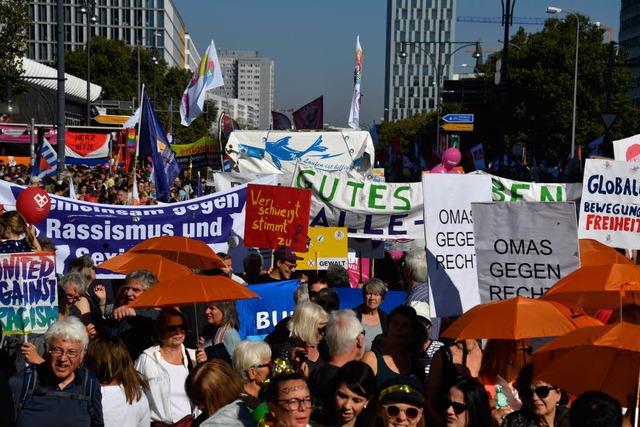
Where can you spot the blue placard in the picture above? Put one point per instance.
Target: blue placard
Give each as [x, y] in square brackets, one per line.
[458, 118]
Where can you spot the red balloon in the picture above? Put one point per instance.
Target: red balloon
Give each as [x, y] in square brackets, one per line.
[34, 204]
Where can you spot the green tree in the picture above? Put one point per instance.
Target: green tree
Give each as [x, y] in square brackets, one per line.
[14, 26]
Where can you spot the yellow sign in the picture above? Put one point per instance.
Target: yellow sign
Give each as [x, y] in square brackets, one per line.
[112, 120]
[325, 246]
[465, 127]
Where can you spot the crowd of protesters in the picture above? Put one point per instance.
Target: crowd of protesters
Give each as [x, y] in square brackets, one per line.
[105, 363]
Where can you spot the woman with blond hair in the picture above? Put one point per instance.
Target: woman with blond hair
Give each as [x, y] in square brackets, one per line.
[14, 227]
[252, 361]
[123, 402]
[215, 389]
[307, 327]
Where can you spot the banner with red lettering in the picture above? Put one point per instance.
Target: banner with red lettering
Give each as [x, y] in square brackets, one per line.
[277, 216]
[87, 145]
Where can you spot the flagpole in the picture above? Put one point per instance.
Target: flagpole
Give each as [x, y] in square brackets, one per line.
[220, 139]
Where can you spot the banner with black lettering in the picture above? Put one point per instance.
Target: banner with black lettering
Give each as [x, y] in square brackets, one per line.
[449, 236]
[523, 248]
[610, 205]
[28, 293]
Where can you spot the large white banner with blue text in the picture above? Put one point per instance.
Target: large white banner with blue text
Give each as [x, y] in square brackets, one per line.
[610, 206]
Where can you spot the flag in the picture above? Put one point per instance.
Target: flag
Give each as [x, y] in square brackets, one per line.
[47, 161]
[280, 121]
[207, 76]
[200, 192]
[310, 116]
[168, 125]
[354, 114]
[72, 190]
[477, 153]
[135, 196]
[152, 142]
[228, 126]
[374, 134]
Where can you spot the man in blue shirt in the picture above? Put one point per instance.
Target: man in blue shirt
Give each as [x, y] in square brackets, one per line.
[58, 392]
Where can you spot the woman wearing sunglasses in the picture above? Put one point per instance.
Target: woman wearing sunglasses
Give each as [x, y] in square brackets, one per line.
[467, 404]
[166, 367]
[543, 405]
[400, 402]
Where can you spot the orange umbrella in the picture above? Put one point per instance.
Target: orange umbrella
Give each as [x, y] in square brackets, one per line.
[190, 290]
[518, 318]
[599, 286]
[131, 261]
[588, 245]
[604, 358]
[603, 257]
[183, 250]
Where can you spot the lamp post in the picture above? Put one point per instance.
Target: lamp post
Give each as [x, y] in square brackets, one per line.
[551, 9]
[155, 35]
[88, 8]
[439, 65]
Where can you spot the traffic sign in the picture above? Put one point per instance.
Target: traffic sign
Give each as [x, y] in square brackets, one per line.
[458, 118]
[464, 127]
[608, 118]
[112, 120]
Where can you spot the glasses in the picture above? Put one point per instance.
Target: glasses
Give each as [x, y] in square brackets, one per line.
[458, 407]
[322, 330]
[290, 265]
[294, 404]
[264, 365]
[73, 298]
[543, 391]
[393, 411]
[173, 328]
[58, 352]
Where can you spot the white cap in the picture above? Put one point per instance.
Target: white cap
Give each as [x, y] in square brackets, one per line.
[422, 309]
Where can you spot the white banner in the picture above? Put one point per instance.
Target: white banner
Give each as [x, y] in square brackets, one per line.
[449, 236]
[628, 149]
[523, 248]
[227, 180]
[369, 209]
[508, 190]
[610, 206]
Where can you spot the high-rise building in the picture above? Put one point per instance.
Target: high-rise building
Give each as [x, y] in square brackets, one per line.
[630, 39]
[248, 78]
[411, 81]
[155, 25]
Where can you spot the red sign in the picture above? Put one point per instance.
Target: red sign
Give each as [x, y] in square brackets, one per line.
[85, 143]
[277, 216]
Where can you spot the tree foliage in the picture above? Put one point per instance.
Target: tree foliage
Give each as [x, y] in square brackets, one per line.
[114, 66]
[14, 26]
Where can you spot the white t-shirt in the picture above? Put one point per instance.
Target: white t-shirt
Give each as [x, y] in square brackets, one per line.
[180, 405]
[118, 413]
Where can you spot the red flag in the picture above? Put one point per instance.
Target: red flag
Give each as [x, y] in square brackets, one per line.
[280, 121]
[310, 116]
[228, 126]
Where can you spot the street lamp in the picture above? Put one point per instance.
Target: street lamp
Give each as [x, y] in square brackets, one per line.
[88, 8]
[155, 36]
[552, 9]
[440, 66]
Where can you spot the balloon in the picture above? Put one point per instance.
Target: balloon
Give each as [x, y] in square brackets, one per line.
[396, 255]
[451, 157]
[438, 169]
[34, 204]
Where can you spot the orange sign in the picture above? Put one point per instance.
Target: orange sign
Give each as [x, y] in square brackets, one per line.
[277, 216]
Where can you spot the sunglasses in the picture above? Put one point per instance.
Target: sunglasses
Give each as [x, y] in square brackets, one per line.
[173, 328]
[312, 294]
[543, 391]
[393, 411]
[458, 407]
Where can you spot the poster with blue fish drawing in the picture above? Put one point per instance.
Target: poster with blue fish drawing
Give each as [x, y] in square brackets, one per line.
[280, 151]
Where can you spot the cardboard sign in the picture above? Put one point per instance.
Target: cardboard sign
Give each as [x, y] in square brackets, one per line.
[277, 216]
[325, 246]
[609, 209]
[451, 253]
[524, 248]
[28, 293]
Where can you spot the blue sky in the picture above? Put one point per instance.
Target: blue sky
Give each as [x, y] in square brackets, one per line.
[313, 43]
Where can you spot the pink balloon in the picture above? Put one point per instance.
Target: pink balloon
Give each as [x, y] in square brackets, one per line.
[451, 157]
[395, 255]
[438, 169]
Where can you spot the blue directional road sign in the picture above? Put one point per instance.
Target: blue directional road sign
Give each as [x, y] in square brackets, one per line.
[458, 118]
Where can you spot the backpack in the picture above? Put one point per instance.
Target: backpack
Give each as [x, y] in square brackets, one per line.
[30, 382]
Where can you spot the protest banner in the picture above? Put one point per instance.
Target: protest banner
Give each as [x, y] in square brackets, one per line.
[368, 209]
[104, 231]
[87, 145]
[523, 248]
[258, 317]
[508, 190]
[325, 246]
[277, 216]
[227, 180]
[627, 149]
[198, 155]
[28, 293]
[609, 209]
[448, 229]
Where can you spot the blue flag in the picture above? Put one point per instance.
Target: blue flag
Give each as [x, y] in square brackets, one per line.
[152, 142]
